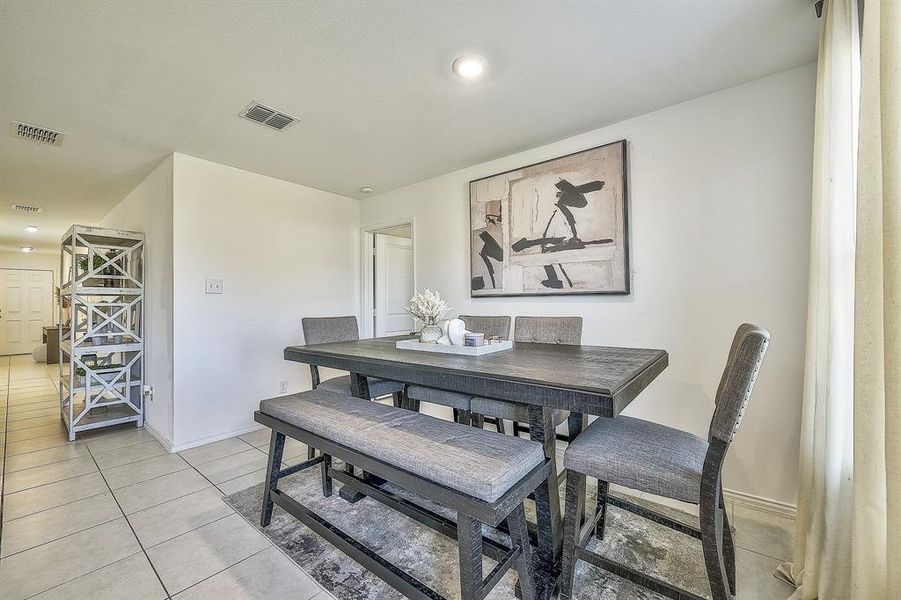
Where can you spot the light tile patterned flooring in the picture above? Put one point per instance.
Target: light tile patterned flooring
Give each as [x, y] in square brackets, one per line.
[113, 515]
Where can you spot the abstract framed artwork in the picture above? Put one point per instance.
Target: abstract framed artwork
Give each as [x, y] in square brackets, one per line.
[559, 227]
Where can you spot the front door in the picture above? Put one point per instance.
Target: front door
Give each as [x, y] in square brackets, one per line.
[393, 284]
[26, 306]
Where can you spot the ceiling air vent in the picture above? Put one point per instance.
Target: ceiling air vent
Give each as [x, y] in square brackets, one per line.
[26, 208]
[267, 116]
[35, 133]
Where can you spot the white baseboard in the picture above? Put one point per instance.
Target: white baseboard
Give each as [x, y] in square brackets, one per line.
[783, 509]
[166, 442]
[214, 438]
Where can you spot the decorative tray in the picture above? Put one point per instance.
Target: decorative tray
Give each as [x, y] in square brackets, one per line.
[462, 350]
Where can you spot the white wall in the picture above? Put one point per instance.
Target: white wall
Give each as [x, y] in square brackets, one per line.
[148, 208]
[720, 193]
[41, 260]
[283, 251]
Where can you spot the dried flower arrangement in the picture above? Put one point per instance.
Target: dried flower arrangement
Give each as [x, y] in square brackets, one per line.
[427, 307]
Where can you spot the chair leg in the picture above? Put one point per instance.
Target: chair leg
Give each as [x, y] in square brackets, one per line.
[575, 424]
[398, 399]
[326, 478]
[711, 518]
[603, 489]
[501, 427]
[516, 429]
[519, 535]
[311, 452]
[469, 539]
[478, 421]
[276, 449]
[728, 546]
[464, 417]
[572, 526]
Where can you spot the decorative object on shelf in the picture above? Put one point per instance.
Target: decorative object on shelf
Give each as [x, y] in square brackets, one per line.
[558, 227]
[99, 265]
[428, 308]
[101, 333]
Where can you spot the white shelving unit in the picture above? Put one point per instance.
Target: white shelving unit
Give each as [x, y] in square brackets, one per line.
[101, 331]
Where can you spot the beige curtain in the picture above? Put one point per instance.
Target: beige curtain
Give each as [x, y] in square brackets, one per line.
[821, 566]
[876, 537]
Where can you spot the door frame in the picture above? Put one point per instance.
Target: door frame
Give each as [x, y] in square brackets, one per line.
[53, 304]
[367, 276]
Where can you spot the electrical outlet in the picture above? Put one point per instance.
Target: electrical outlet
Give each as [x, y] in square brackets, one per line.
[283, 386]
[148, 392]
[214, 286]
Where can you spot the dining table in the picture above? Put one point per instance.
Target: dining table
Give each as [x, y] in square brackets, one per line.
[584, 380]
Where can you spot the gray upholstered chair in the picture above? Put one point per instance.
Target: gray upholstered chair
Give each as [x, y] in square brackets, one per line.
[665, 462]
[541, 330]
[491, 326]
[324, 330]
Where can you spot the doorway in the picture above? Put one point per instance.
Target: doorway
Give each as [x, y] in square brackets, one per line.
[26, 306]
[388, 279]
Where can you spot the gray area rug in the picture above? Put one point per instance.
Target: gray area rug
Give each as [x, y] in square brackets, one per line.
[432, 557]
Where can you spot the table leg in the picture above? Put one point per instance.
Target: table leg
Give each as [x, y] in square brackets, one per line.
[547, 507]
[575, 424]
[359, 387]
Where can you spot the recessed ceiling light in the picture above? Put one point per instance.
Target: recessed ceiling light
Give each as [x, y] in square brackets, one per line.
[31, 228]
[27, 248]
[366, 189]
[470, 66]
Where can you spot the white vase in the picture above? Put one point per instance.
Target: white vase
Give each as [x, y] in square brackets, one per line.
[456, 329]
[430, 334]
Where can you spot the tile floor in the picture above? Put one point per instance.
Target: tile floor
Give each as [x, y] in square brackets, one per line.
[113, 515]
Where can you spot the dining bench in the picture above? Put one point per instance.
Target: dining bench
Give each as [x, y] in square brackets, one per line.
[482, 475]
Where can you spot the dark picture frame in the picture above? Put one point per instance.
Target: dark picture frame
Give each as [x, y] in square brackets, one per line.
[559, 227]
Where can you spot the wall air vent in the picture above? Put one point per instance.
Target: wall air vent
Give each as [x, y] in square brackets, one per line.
[27, 209]
[35, 133]
[267, 116]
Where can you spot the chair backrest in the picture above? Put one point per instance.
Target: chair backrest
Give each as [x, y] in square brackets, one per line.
[549, 330]
[323, 330]
[490, 326]
[734, 392]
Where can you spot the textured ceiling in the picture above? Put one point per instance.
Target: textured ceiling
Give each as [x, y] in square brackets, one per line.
[129, 82]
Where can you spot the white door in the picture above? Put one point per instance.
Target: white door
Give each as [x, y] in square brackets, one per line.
[393, 284]
[26, 306]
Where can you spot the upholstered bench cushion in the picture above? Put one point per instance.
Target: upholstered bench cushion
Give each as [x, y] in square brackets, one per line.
[377, 387]
[476, 462]
[641, 455]
[442, 397]
[511, 411]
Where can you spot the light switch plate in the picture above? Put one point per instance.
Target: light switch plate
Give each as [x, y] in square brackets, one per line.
[214, 286]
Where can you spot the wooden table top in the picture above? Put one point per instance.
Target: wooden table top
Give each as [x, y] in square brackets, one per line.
[596, 380]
